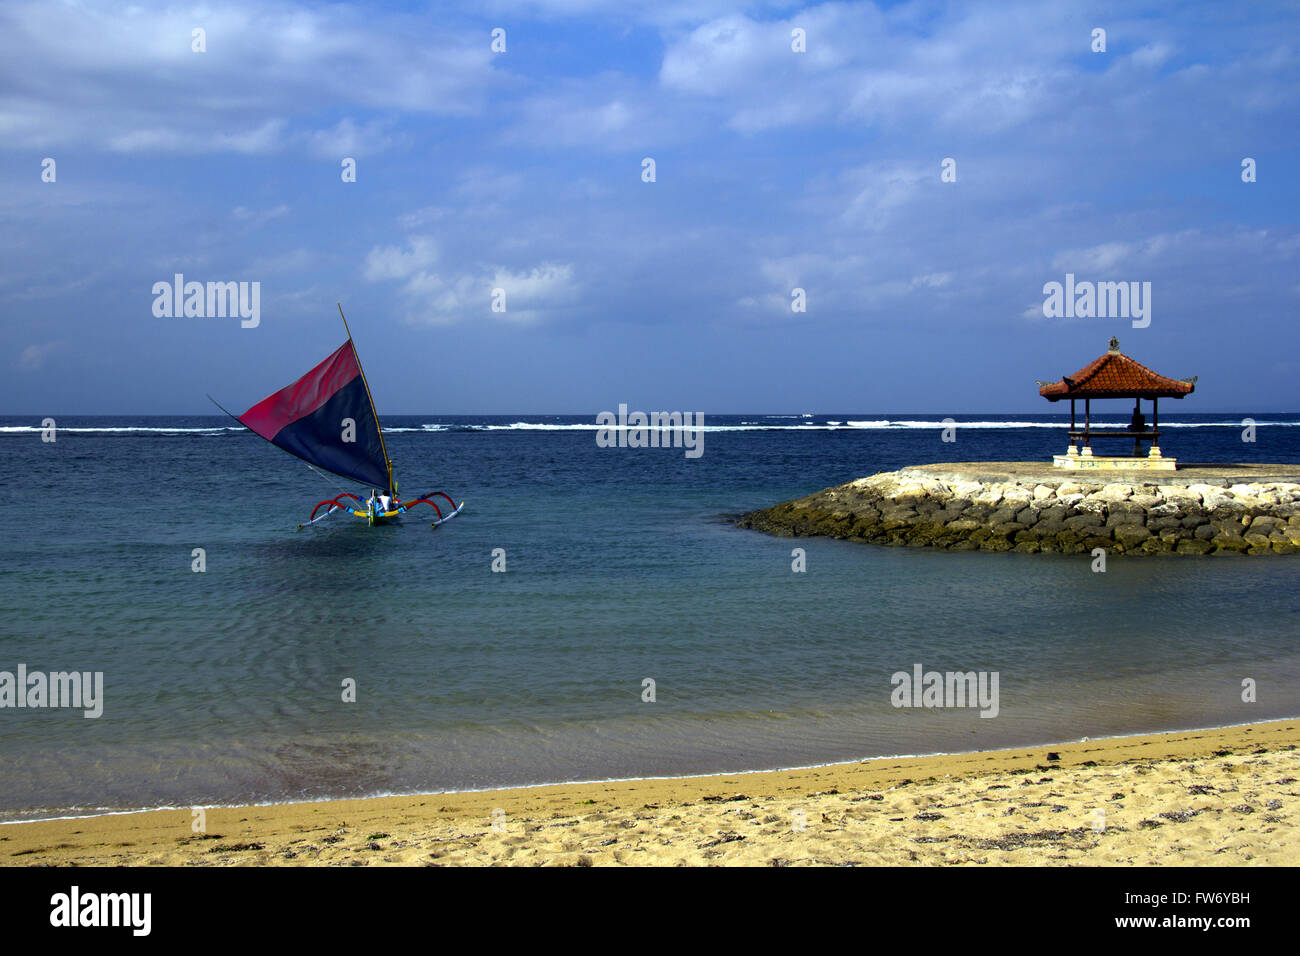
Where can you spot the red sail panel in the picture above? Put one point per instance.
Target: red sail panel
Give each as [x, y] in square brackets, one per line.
[315, 417]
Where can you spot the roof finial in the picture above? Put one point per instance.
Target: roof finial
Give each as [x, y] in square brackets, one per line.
[1114, 344]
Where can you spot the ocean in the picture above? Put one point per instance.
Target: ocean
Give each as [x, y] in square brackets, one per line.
[228, 685]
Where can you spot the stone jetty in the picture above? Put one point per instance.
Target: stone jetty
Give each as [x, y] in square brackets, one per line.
[1030, 507]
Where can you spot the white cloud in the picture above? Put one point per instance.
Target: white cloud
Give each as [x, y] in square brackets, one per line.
[391, 262]
[34, 356]
[127, 80]
[933, 280]
[347, 138]
[604, 114]
[878, 192]
[440, 298]
[532, 293]
[1152, 56]
[970, 71]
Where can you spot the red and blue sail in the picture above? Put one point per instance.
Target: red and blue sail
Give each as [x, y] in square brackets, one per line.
[327, 418]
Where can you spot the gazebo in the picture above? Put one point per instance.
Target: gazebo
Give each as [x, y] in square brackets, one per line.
[1115, 375]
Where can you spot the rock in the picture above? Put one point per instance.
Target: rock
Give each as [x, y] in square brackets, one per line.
[1125, 512]
[1131, 535]
[1018, 494]
[914, 490]
[1213, 499]
[1067, 542]
[1228, 544]
[1113, 493]
[1027, 516]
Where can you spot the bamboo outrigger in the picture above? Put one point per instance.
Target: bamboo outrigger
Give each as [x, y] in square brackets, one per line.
[328, 419]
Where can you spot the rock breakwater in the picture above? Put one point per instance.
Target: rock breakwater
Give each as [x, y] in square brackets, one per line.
[1026, 507]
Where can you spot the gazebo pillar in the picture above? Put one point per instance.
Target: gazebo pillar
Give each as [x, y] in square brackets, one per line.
[1071, 449]
[1087, 428]
[1137, 412]
[1155, 427]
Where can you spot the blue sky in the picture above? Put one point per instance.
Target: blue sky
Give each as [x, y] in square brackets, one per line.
[522, 170]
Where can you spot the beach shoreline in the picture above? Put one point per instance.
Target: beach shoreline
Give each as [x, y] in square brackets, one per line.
[1219, 796]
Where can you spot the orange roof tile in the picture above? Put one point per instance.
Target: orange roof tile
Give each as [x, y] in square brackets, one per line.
[1115, 375]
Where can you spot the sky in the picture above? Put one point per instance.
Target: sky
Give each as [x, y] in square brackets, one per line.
[524, 170]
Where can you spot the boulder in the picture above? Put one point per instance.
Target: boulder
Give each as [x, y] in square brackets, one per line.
[1131, 535]
[1081, 521]
[1113, 493]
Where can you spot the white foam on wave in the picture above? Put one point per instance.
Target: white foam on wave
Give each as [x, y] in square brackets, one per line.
[865, 424]
[113, 429]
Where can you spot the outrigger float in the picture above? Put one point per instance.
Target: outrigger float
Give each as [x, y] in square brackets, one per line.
[328, 419]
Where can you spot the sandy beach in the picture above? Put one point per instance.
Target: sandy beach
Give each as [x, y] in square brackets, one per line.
[1226, 797]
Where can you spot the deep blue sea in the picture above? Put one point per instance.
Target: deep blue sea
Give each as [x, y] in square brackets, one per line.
[226, 686]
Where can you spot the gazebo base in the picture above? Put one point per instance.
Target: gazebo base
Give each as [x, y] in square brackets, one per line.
[1090, 462]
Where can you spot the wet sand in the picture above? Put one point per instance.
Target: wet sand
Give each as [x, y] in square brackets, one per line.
[1225, 797]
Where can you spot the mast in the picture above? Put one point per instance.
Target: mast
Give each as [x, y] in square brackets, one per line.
[388, 462]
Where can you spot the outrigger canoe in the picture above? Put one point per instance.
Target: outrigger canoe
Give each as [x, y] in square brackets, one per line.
[328, 419]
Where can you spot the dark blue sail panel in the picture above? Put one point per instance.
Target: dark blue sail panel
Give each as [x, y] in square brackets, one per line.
[315, 417]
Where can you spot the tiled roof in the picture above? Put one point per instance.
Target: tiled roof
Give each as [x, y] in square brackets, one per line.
[1115, 375]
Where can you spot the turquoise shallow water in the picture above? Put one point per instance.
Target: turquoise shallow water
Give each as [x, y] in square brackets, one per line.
[225, 686]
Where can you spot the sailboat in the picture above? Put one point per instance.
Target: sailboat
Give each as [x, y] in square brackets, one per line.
[328, 419]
